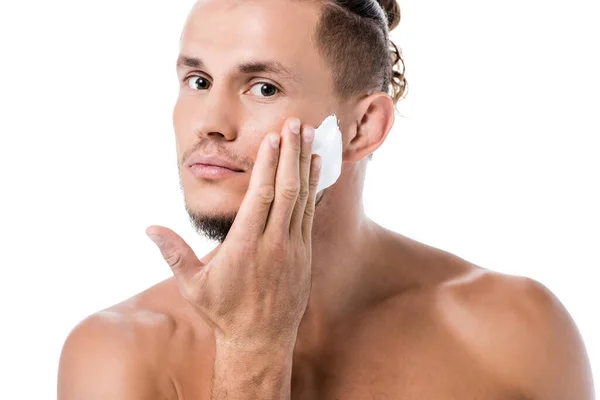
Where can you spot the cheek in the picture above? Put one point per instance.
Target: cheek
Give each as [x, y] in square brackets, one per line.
[265, 119]
[182, 127]
[180, 114]
[253, 132]
[178, 121]
[258, 125]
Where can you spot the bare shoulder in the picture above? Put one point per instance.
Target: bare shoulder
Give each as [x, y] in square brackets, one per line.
[518, 330]
[116, 353]
[102, 358]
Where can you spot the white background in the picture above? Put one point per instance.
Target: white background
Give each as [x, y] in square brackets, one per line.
[495, 158]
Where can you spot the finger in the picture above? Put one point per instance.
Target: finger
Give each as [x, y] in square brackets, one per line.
[287, 180]
[308, 134]
[309, 212]
[252, 215]
[177, 253]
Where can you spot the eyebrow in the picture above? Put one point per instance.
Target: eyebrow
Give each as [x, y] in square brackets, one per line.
[250, 67]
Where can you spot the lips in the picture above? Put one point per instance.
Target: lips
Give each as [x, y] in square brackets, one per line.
[216, 161]
[212, 172]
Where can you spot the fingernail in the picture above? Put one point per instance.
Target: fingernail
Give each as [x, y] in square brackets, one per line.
[295, 126]
[308, 133]
[274, 140]
[158, 240]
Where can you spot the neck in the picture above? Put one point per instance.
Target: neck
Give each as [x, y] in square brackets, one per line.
[345, 245]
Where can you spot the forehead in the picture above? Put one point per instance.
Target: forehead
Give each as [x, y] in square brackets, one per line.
[230, 31]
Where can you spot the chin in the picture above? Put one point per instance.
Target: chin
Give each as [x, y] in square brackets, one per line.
[212, 205]
[225, 195]
[213, 221]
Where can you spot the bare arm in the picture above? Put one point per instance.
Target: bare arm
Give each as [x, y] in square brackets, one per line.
[259, 373]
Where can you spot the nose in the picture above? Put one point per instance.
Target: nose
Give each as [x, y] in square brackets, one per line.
[214, 116]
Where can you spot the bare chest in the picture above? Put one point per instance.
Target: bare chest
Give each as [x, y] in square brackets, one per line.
[373, 360]
[368, 373]
[376, 376]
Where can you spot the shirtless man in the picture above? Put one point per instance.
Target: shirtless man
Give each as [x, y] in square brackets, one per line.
[305, 297]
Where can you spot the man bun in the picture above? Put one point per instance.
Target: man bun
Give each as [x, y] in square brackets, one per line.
[397, 79]
[392, 11]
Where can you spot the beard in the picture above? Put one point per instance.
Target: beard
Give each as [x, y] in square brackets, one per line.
[212, 226]
[216, 227]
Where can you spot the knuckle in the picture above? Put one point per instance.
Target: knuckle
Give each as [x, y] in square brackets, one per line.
[265, 193]
[309, 211]
[314, 181]
[250, 248]
[289, 191]
[305, 157]
[279, 250]
[303, 194]
[296, 146]
[174, 259]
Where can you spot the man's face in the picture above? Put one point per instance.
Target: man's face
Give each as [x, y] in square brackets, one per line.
[226, 111]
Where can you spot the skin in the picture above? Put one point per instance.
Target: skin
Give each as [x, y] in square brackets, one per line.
[386, 317]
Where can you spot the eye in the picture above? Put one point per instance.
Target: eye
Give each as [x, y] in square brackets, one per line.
[264, 89]
[197, 82]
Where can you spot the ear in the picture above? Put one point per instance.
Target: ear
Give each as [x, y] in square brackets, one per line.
[372, 119]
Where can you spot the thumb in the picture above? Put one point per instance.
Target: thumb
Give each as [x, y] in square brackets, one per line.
[176, 252]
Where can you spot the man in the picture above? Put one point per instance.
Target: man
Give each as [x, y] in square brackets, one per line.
[305, 297]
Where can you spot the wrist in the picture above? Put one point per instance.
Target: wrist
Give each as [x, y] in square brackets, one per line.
[253, 348]
[254, 369]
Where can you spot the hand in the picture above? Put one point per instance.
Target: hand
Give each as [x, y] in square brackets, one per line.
[256, 287]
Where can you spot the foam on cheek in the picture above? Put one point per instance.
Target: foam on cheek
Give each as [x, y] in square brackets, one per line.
[328, 145]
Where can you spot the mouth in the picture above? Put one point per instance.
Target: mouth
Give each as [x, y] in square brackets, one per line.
[208, 171]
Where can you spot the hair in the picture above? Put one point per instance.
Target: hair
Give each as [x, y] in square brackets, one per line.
[353, 38]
